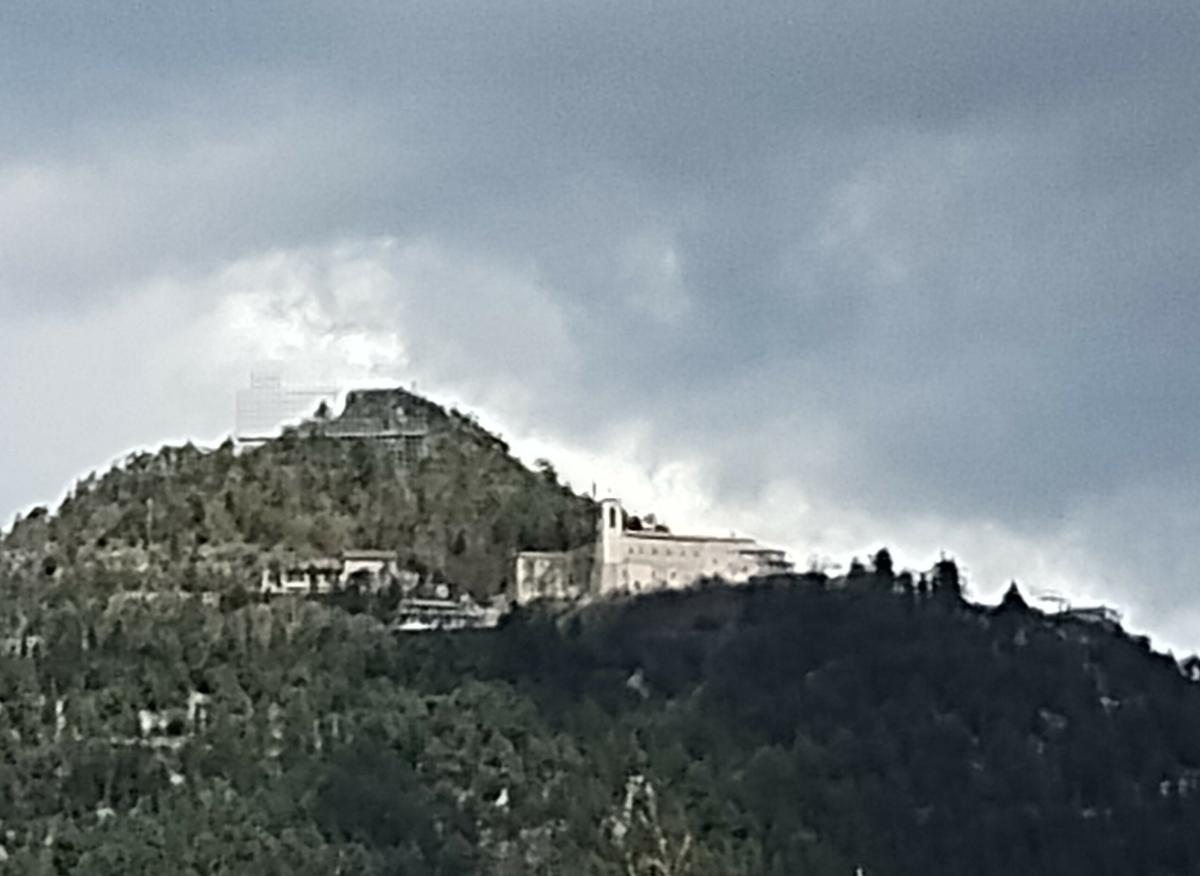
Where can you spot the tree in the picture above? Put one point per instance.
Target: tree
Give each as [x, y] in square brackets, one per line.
[545, 469]
[946, 578]
[1013, 600]
[883, 564]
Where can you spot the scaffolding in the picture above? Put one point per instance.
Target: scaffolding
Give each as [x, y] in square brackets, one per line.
[268, 405]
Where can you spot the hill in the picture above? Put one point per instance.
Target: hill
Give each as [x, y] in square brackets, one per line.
[793, 727]
[458, 509]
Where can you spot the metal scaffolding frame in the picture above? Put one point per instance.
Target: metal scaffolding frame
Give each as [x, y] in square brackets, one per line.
[268, 405]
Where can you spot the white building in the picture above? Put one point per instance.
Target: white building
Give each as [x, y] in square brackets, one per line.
[369, 570]
[636, 561]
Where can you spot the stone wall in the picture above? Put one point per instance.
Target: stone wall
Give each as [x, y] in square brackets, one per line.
[554, 575]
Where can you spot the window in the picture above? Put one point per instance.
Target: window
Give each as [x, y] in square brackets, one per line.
[612, 518]
[414, 448]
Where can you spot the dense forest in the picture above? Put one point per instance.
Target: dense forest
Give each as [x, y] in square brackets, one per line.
[781, 728]
[796, 726]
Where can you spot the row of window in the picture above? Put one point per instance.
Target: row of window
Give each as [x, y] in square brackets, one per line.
[638, 549]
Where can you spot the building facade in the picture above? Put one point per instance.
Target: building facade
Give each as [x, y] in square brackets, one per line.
[368, 570]
[631, 561]
[559, 575]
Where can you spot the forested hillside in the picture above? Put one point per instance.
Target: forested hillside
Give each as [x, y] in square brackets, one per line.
[795, 727]
[210, 519]
[776, 729]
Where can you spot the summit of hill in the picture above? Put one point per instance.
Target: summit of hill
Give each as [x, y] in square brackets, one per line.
[454, 503]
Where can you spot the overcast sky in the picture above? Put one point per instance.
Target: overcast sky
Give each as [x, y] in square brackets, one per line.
[840, 274]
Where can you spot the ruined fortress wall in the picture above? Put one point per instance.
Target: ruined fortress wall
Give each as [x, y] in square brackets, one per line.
[554, 575]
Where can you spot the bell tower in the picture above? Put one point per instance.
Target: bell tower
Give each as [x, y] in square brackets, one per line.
[611, 544]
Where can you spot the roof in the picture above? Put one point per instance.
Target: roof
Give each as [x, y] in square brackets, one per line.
[1100, 613]
[317, 563]
[670, 536]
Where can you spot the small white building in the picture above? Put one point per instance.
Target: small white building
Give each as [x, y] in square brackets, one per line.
[369, 570]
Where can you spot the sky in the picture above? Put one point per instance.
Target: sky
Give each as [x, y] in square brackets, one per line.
[838, 274]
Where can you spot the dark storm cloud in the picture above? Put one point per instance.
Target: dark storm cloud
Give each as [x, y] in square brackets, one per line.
[473, 115]
[957, 241]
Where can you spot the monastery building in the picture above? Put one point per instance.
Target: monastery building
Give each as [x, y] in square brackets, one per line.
[630, 561]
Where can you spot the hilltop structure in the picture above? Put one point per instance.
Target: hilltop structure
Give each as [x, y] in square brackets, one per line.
[392, 417]
[628, 560]
[389, 417]
[268, 404]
